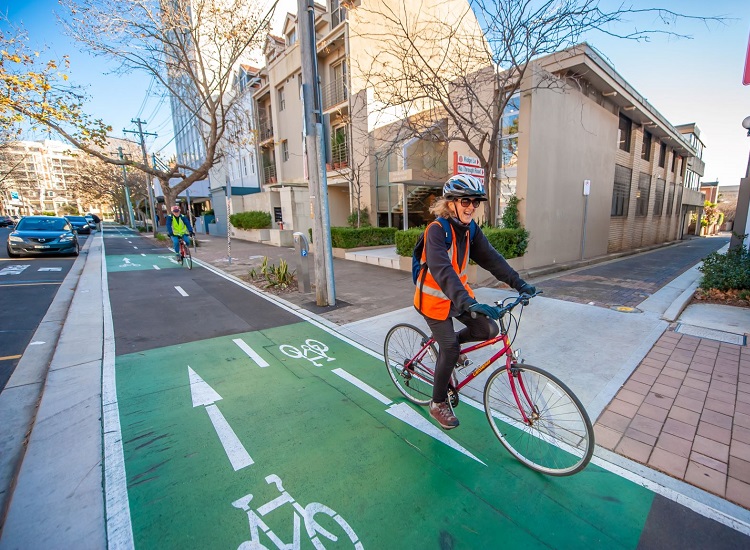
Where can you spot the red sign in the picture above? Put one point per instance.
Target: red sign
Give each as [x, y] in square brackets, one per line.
[746, 75]
[464, 164]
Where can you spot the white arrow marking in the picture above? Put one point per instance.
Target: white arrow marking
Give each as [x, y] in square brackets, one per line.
[179, 289]
[157, 267]
[406, 414]
[50, 269]
[204, 395]
[362, 386]
[251, 353]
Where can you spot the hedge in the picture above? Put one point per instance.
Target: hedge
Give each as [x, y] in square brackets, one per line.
[251, 220]
[355, 237]
[511, 243]
[730, 271]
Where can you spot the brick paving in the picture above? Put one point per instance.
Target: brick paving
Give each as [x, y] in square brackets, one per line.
[629, 281]
[685, 411]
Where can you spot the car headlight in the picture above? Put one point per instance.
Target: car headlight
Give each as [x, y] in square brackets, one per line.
[15, 239]
[66, 237]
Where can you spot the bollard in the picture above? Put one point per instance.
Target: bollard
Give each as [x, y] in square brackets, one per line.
[303, 268]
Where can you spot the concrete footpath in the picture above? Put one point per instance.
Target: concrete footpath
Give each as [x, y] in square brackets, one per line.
[629, 355]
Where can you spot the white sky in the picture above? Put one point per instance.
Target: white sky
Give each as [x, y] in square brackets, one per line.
[696, 80]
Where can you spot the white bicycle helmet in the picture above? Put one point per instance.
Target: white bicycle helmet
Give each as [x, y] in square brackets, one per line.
[464, 185]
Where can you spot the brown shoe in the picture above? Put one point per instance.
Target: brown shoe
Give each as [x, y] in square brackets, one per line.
[443, 413]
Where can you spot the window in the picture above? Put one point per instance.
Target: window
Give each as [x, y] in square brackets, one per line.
[659, 197]
[621, 191]
[623, 133]
[282, 101]
[670, 199]
[646, 149]
[509, 133]
[244, 165]
[662, 155]
[252, 163]
[674, 162]
[285, 150]
[644, 190]
[291, 38]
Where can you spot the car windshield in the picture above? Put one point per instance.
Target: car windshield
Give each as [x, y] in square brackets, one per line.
[42, 224]
[79, 219]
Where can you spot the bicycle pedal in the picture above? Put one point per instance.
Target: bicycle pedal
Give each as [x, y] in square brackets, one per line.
[453, 397]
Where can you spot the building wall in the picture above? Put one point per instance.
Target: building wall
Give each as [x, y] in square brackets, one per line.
[564, 139]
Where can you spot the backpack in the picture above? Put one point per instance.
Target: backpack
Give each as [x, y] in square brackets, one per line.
[416, 257]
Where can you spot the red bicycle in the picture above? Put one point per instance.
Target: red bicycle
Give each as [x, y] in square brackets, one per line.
[186, 258]
[533, 414]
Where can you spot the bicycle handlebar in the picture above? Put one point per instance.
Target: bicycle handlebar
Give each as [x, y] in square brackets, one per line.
[522, 299]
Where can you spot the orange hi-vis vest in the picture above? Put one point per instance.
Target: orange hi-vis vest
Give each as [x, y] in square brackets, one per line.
[429, 299]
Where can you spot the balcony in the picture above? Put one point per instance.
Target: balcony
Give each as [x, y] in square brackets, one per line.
[269, 174]
[340, 153]
[337, 16]
[334, 93]
[265, 130]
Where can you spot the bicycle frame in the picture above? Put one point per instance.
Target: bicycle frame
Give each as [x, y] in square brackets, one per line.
[509, 364]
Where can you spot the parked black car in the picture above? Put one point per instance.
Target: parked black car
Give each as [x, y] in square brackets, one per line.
[42, 235]
[80, 224]
[6, 221]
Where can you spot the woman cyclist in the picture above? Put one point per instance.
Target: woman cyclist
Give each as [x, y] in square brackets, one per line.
[443, 291]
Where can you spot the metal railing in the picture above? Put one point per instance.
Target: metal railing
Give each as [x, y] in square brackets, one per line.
[340, 154]
[269, 174]
[334, 93]
[337, 16]
[265, 128]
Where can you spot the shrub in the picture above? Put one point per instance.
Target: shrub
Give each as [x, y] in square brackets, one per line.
[511, 243]
[730, 271]
[251, 220]
[510, 218]
[272, 276]
[349, 237]
[364, 218]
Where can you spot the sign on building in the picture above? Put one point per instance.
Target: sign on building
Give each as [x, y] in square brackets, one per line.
[464, 164]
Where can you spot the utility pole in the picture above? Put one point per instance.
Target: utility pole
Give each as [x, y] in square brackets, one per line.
[127, 190]
[142, 135]
[325, 290]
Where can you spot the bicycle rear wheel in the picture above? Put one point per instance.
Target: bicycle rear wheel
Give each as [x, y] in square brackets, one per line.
[410, 365]
[556, 438]
[187, 257]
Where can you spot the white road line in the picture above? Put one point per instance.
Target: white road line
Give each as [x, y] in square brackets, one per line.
[179, 289]
[50, 269]
[362, 386]
[135, 247]
[142, 254]
[406, 414]
[251, 353]
[157, 267]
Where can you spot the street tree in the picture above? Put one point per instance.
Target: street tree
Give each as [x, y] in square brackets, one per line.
[465, 63]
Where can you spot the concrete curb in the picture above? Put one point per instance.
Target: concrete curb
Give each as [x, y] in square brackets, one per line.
[19, 401]
[66, 409]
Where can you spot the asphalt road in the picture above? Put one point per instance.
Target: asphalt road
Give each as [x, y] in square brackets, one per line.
[29, 285]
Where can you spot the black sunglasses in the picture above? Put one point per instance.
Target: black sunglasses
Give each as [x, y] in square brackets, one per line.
[466, 202]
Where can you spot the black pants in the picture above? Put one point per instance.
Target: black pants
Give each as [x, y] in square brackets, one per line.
[449, 345]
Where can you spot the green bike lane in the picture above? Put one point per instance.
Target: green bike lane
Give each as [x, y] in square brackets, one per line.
[218, 430]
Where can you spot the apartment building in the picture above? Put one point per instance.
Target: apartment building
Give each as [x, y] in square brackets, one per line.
[38, 178]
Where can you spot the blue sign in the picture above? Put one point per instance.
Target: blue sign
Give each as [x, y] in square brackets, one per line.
[14, 195]
[303, 252]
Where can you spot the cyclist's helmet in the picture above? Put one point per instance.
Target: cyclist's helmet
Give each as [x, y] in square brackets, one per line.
[464, 185]
[175, 209]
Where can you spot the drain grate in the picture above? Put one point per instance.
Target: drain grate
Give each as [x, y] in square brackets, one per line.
[711, 334]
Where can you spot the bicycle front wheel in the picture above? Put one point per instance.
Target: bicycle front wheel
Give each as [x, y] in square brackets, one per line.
[410, 364]
[187, 257]
[553, 435]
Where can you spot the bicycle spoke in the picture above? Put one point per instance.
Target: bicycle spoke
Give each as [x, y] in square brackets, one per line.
[556, 437]
[410, 365]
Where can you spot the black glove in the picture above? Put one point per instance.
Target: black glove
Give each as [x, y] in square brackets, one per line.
[526, 288]
[486, 310]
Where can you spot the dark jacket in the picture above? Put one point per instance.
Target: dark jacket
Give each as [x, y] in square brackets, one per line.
[482, 253]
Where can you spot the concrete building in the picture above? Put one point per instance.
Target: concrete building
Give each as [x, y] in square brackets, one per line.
[40, 177]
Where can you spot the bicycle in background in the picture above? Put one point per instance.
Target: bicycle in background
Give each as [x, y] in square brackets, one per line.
[535, 416]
